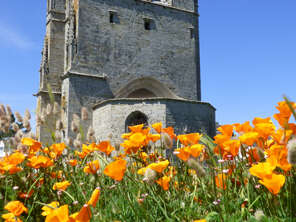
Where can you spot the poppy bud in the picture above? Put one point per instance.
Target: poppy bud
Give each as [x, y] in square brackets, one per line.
[292, 151]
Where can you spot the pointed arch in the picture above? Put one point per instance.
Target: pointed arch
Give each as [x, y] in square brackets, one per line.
[144, 88]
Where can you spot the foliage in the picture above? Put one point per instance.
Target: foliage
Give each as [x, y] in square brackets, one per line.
[247, 173]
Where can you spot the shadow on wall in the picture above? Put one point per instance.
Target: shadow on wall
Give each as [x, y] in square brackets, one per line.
[145, 88]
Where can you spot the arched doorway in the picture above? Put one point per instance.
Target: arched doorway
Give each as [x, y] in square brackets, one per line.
[135, 118]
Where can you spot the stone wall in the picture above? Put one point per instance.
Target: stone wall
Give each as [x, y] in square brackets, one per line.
[185, 116]
[82, 91]
[124, 51]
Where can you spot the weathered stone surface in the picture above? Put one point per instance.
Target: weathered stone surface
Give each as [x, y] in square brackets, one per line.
[109, 116]
[105, 51]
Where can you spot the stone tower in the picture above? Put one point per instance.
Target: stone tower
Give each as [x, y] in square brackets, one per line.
[52, 63]
[128, 62]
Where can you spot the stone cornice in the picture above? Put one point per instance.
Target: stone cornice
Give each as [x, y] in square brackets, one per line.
[40, 92]
[156, 99]
[74, 73]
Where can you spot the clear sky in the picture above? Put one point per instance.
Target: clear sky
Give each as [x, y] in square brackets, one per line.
[248, 55]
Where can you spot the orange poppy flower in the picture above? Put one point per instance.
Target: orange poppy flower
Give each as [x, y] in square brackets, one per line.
[160, 166]
[86, 149]
[39, 161]
[232, 147]
[258, 120]
[157, 127]
[243, 128]
[264, 129]
[273, 183]
[170, 131]
[185, 152]
[226, 130]
[201, 220]
[282, 119]
[73, 162]
[49, 208]
[136, 128]
[12, 169]
[16, 208]
[105, 147]
[164, 182]
[94, 197]
[60, 214]
[126, 135]
[284, 115]
[15, 158]
[282, 136]
[189, 139]
[92, 167]
[277, 155]
[292, 126]
[221, 138]
[262, 170]
[116, 169]
[153, 137]
[10, 217]
[249, 138]
[129, 147]
[58, 148]
[83, 215]
[32, 144]
[61, 185]
[138, 139]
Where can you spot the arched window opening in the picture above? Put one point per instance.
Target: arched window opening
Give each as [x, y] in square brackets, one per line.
[141, 93]
[135, 118]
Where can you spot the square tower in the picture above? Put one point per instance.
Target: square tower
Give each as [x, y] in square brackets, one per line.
[129, 61]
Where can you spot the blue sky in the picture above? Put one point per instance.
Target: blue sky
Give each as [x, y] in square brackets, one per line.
[248, 55]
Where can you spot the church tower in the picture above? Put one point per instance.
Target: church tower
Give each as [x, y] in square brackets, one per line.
[52, 63]
[128, 62]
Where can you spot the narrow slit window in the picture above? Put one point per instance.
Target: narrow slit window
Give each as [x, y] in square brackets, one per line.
[111, 17]
[147, 24]
[191, 30]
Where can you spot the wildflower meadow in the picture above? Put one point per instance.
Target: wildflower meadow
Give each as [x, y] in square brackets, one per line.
[245, 173]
